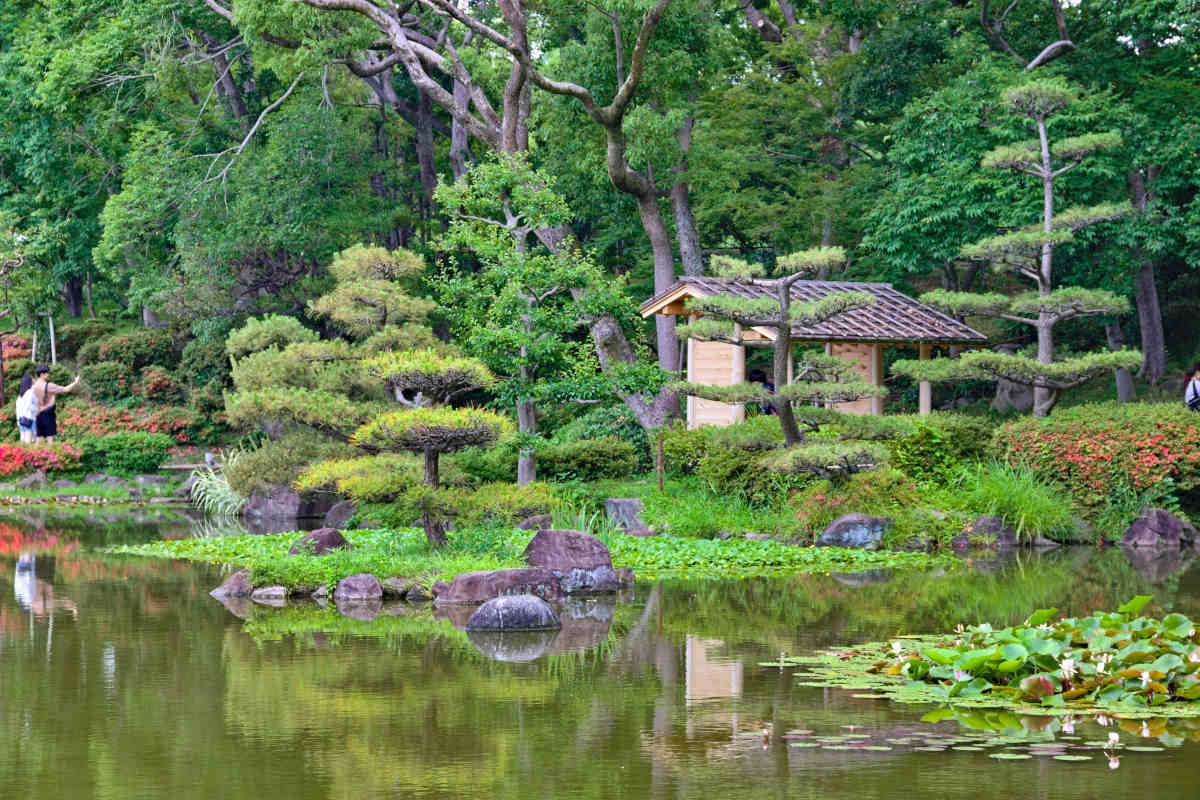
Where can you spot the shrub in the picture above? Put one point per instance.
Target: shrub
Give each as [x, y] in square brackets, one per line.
[934, 447]
[209, 400]
[71, 338]
[16, 459]
[488, 465]
[15, 347]
[742, 474]
[203, 361]
[271, 368]
[273, 330]
[500, 503]
[158, 386]
[1103, 449]
[878, 492]
[107, 380]
[84, 418]
[372, 479]
[684, 449]
[138, 349]
[279, 463]
[126, 453]
[587, 459]
[602, 421]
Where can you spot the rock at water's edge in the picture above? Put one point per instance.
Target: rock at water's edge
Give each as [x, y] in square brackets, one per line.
[340, 514]
[566, 550]
[1160, 529]
[319, 542]
[995, 527]
[236, 585]
[362, 586]
[522, 612]
[855, 530]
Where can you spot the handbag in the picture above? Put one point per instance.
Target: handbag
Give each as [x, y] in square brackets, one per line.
[25, 422]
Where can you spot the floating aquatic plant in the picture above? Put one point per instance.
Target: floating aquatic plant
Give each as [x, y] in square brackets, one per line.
[1117, 661]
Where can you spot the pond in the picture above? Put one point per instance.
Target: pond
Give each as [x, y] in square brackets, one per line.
[122, 678]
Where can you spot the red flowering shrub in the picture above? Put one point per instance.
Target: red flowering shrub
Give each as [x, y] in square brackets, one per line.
[137, 349]
[94, 419]
[108, 380]
[1099, 449]
[158, 386]
[16, 459]
[14, 347]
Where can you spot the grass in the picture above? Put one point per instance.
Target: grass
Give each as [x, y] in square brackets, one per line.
[118, 493]
[1026, 502]
[406, 553]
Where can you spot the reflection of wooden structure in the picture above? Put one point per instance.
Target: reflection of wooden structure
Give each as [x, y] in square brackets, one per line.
[859, 336]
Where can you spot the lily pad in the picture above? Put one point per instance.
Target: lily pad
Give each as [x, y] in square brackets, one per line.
[1072, 758]
[1010, 756]
[1145, 749]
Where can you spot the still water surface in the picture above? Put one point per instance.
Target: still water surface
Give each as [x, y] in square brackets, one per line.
[122, 678]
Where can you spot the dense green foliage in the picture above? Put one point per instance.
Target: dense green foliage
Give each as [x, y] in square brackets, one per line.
[125, 453]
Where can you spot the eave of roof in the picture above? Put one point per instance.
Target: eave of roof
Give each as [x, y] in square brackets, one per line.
[894, 318]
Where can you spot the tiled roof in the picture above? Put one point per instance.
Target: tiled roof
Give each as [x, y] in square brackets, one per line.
[894, 317]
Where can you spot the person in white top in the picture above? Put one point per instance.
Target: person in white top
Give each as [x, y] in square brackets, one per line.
[1191, 395]
[27, 411]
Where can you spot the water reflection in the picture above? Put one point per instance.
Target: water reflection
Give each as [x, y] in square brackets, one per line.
[153, 689]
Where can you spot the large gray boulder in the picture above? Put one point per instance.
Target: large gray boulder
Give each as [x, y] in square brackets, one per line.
[538, 522]
[340, 514]
[280, 508]
[624, 512]
[1159, 529]
[855, 530]
[320, 542]
[362, 586]
[236, 585]
[522, 612]
[566, 550]
[149, 480]
[35, 481]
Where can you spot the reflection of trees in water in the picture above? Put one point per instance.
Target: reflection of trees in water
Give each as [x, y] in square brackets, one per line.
[819, 610]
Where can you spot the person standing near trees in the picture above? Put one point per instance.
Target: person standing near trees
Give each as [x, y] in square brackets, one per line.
[46, 393]
[27, 410]
[1191, 395]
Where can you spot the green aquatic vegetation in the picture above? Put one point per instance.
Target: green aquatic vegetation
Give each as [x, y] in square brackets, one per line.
[1109, 661]
[382, 553]
[686, 557]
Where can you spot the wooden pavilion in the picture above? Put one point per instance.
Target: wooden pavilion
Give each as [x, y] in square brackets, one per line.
[859, 336]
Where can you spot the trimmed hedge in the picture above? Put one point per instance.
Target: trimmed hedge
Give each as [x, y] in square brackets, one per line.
[1102, 450]
[108, 380]
[125, 453]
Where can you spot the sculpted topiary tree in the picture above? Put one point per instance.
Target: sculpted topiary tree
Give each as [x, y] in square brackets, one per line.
[818, 379]
[1029, 253]
[426, 427]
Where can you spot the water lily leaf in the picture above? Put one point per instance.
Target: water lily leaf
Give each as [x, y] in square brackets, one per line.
[1135, 605]
[1044, 615]
[939, 715]
[1015, 652]
[1011, 665]
[940, 655]
[974, 659]
[1177, 625]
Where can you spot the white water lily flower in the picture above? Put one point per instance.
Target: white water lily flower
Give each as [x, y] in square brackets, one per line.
[1068, 725]
[1101, 720]
[961, 675]
[1145, 679]
[1145, 731]
[1068, 668]
[1114, 738]
[897, 648]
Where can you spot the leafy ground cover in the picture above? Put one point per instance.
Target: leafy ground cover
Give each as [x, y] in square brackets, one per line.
[405, 552]
[1108, 662]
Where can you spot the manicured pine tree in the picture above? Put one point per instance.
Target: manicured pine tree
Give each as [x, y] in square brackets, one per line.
[1029, 253]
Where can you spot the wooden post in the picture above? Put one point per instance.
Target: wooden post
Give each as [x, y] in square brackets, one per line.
[53, 344]
[658, 461]
[691, 376]
[737, 374]
[925, 388]
[877, 377]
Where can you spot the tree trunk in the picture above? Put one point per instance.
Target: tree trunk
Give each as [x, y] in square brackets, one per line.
[458, 132]
[1145, 289]
[425, 162]
[431, 469]
[526, 459]
[1116, 341]
[72, 293]
[435, 529]
[664, 276]
[690, 256]
[1044, 399]
[782, 352]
